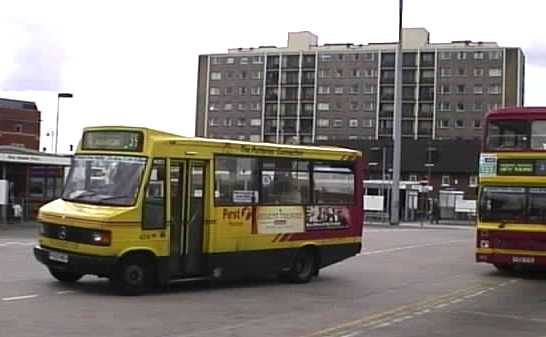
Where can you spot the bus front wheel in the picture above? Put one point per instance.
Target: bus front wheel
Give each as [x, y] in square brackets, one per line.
[133, 275]
[304, 266]
[65, 276]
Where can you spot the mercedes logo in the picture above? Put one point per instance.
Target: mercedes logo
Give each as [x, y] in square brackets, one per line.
[61, 234]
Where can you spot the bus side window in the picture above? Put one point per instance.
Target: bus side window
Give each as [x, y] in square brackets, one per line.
[154, 202]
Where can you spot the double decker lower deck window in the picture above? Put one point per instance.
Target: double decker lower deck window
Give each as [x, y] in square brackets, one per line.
[502, 203]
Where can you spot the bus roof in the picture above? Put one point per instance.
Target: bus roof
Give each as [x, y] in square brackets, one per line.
[161, 136]
[518, 113]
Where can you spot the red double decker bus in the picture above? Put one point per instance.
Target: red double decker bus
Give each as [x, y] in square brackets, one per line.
[511, 227]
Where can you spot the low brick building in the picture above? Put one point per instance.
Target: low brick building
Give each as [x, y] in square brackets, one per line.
[19, 124]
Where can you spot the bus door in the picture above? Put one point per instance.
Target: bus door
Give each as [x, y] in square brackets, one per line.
[187, 209]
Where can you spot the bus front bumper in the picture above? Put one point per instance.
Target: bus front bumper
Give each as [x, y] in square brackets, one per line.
[503, 258]
[73, 262]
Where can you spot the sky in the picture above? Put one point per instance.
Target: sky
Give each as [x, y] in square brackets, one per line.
[135, 62]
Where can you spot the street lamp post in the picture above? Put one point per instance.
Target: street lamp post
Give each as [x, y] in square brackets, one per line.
[397, 126]
[59, 96]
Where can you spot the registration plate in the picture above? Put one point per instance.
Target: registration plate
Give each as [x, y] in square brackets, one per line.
[523, 259]
[59, 257]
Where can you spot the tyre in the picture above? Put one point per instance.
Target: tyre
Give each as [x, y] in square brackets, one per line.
[304, 266]
[505, 268]
[134, 275]
[65, 276]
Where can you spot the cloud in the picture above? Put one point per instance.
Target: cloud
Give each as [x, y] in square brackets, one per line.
[535, 55]
[38, 62]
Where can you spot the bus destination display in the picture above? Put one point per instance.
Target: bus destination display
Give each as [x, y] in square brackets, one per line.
[112, 140]
[512, 167]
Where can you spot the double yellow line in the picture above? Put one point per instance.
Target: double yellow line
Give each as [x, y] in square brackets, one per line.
[403, 310]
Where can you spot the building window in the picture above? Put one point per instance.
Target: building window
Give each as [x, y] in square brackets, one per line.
[338, 90]
[323, 90]
[367, 123]
[459, 123]
[258, 59]
[255, 106]
[228, 107]
[338, 106]
[354, 106]
[228, 91]
[243, 91]
[241, 137]
[321, 137]
[230, 60]
[338, 123]
[324, 106]
[445, 106]
[495, 72]
[460, 89]
[228, 122]
[446, 180]
[355, 89]
[478, 89]
[369, 89]
[370, 73]
[255, 138]
[492, 106]
[213, 122]
[256, 91]
[256, 75]
[478, 106]
[324, 73]
[460, 107]
[445, 55]
[353, 137]
[339, 73]
[445, 72]
[213, 107]
[19, 128]
[368, 106]
[477, 124]
[494, 55]
[478, 55]
[243, 75]
[473, 181]
[461, 55]
[445, 89]
[325, 57]
[368, 56]
[241, 122]
[412, 177]
[216, 60]
[357, 73]
[323, 123]
[241, 107]
[215, 76]
[493, 90]
[353, 123]
[478, 72]
[255, 122]
[443, 123]
[244, 60]
[461, 72]
[214, 91]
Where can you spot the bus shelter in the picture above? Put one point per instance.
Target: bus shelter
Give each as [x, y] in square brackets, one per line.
[28, 179]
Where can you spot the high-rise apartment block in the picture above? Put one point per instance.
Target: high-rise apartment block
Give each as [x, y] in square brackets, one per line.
[305, 93]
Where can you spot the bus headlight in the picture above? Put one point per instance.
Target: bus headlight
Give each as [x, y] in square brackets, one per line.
[484, 243]
[101, 238]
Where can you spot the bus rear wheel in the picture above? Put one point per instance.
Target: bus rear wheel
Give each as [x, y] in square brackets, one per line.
[134, 275]
[65, 276]
[304, 266]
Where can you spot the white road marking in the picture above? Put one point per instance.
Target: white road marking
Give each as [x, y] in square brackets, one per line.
[352, 334]
[17, 243]
[64, 292]
[396, 249]
[17, 298]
